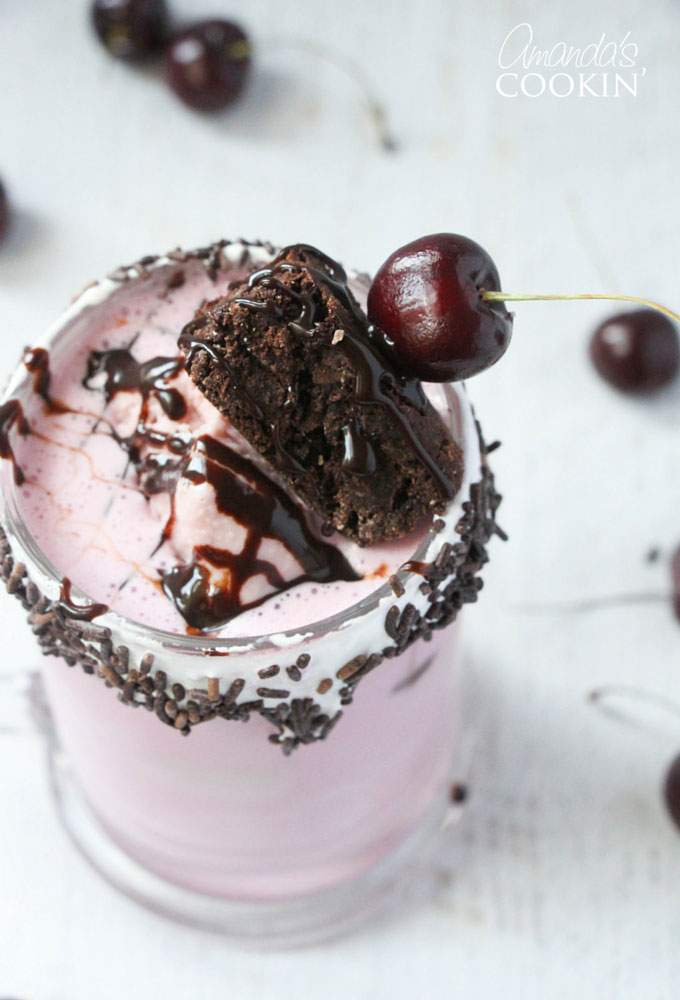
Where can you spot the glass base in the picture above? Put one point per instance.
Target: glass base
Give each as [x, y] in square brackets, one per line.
[392, 885]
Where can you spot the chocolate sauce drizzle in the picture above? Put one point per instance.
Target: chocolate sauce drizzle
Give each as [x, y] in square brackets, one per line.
[413, 566]
[244, 493]
[78, 612]
[378, 380]
[12, 415]
[160, 471]
[37, 361]
[125, 374]
[190, 343]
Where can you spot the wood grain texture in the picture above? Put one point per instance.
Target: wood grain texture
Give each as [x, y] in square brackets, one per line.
[563, 877]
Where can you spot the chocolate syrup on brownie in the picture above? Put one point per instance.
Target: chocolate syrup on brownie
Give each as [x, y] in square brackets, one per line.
[12, 415]
[414, 566]
[190, 343]
[367, 351]
[377, 379]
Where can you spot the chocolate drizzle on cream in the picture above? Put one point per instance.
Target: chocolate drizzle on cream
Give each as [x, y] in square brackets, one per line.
[125, 374]
[378, 381]
[37, 361]
[190, 343]
[12, 415]
[243, 492]
[78, 612]
[207, 591]
[413, 566]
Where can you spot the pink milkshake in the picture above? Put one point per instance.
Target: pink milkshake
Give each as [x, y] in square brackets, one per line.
[173, 568]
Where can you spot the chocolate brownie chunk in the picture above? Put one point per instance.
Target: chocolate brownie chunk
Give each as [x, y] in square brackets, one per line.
[289, 358]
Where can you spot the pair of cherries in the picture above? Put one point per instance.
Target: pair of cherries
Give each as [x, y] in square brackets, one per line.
[206, 63]
[438, 302]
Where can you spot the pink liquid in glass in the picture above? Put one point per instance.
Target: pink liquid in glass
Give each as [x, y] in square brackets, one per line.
[224, 812]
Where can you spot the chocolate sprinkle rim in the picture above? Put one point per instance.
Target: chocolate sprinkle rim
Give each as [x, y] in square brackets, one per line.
[452, 579]
[449, 581]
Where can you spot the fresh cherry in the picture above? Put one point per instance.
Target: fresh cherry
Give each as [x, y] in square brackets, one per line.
[4, 211]
[671, 790]
[207, 64]
[130, 29]
[426, 299]
[675, 581]
[636, 351]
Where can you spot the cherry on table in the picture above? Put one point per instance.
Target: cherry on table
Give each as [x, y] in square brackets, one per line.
[130, 29]
[207, 64]
[426, 299]
[675, 581]
[4, 211]
[671, 790]
[636, 351]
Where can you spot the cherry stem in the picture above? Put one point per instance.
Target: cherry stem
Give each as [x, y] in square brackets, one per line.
[353, 70]
[507, 297]
[628, 691]
[594, 603]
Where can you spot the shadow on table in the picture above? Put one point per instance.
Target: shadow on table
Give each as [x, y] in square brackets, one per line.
[26, 232]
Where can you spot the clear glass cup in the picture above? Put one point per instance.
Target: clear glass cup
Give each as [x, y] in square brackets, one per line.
[222, 829]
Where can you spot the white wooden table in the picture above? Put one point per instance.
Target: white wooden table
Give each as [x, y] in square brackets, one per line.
[563, 877]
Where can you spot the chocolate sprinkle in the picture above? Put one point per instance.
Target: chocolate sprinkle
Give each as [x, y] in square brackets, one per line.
[351, 667]
[265, 692]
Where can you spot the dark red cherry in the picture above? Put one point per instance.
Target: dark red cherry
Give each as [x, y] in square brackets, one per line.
[207, 64]
[4, 211]
[426, 299]
[675, 582]
[636, 351]
[671, 790]
[130, 29]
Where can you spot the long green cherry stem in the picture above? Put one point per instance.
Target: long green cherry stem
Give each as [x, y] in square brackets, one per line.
[629, 691]
[508, 297]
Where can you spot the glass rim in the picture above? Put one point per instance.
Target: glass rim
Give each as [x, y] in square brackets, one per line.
[16, 528]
